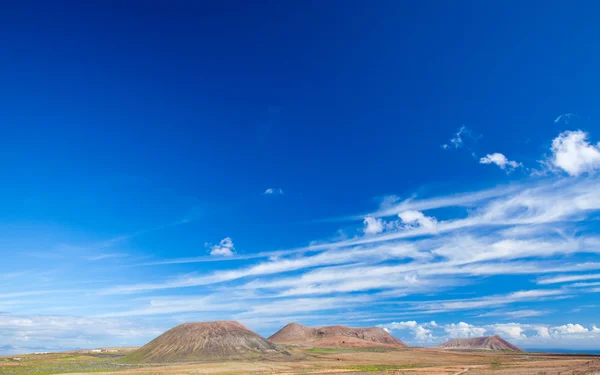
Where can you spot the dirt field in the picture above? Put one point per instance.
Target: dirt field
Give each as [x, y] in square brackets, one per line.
[411, 361]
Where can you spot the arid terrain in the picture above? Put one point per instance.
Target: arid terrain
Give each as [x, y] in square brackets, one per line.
[335, 336]
[220, 340]
[480, 343]
[304, 361]
[229, 348]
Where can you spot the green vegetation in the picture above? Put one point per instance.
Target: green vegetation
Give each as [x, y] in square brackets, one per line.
[59, 364]
[349, 350]
[495, 364]
[325, 350]
[380, 367]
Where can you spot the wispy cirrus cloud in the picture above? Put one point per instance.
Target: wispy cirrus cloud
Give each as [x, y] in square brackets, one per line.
[566, 118]
[458, 140]
[516, 314]
[567, 278]
[92, 250]
[106, 256]
[431, 307]
[458, 246]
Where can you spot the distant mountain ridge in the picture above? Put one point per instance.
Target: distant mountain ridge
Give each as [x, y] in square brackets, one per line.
[480, 343]
[334, 336]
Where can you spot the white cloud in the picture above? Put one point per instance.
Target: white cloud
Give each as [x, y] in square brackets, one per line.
[276, 266]
[171, 305]
[470, 199]
[419, 331]
[572, 153]
[296, 305]
[457, 141]
[273, 191]
[566, 279]
[36, 333]
[224, 248]
[543, 332]
[373, 225]
[565, 118]
[530, 335]
[106, 256]
[583, 285]
[430, 307]
[417, 219]
[409, 219]
[570, 328]
[500, 160]
[510, 330]
[422, 334]
[514, 314]
[463, 329]
[400, 325]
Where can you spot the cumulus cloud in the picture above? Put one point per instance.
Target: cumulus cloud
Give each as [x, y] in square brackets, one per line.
[400, 325]
[510, 330]
[418, 219]
[543, 332]
[574, 154]
[408, 220]
[533, 335]
[419, 331]
[463, 329]
[570, 328]
[373, 225]
[422, 334]
[224, 248]
[273, 191]
[500, 160]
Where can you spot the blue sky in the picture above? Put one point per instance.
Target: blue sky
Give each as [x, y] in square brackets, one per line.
[431, 168]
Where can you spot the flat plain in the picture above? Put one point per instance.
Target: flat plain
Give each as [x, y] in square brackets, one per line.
[306, 361]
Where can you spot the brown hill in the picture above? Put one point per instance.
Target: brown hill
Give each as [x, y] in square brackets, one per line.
[335, 336]
[480, 343]
[205, 341]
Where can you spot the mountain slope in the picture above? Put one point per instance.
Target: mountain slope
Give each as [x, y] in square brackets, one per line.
[480, 343]
[205, 341]
[334, 336]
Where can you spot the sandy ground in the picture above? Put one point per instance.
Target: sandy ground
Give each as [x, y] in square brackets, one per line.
[411, 361]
